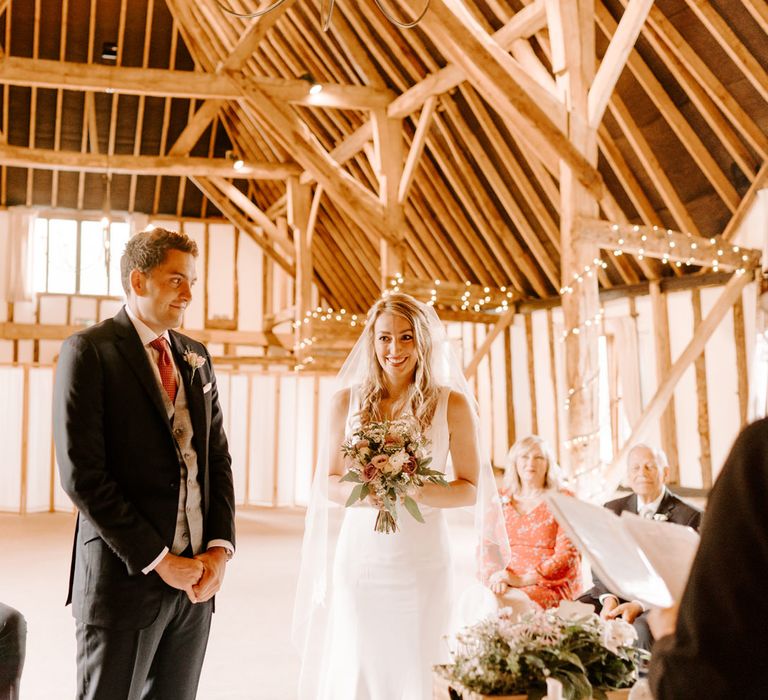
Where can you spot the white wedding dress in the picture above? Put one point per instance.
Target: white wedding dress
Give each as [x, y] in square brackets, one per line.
[392, 597]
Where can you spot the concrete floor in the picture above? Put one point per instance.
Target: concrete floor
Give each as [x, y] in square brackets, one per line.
[249, 656]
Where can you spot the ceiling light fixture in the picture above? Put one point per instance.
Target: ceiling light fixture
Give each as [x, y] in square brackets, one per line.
[314, 86]
[327, 14]
[237, 162]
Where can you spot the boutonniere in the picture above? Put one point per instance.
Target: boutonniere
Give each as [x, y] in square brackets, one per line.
[194, 360]
[663, 517]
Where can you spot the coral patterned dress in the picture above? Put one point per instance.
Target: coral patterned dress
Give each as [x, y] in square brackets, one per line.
[539, 545]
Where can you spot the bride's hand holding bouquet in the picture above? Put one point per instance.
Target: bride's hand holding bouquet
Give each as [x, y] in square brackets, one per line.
[389, 463]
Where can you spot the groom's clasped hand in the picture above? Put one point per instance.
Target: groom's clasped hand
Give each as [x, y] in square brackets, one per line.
[200, 578]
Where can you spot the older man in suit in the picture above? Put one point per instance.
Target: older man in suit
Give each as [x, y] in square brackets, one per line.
[143, 455]
[647, 474]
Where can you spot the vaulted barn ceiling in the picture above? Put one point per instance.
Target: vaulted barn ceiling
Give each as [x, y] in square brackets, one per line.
[682, 140]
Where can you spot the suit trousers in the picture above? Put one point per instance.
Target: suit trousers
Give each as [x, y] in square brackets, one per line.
[160, 662]
[13, 636]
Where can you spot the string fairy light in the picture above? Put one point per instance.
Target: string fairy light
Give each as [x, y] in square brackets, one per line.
[581, 440]
[589, 323]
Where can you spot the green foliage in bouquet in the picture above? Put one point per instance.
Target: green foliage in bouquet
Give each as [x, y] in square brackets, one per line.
[507, 655]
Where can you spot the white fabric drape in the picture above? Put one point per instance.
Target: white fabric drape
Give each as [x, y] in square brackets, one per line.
[758, 375]
[18, 254]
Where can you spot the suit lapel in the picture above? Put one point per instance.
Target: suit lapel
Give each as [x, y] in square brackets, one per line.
[667, 504]
[632, 503]
[129, 345]
[193, 387]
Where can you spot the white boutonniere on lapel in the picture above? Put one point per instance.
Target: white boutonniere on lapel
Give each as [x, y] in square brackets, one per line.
[663, 517]
[194, 360]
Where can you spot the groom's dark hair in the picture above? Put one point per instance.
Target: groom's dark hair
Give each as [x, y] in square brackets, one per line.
[147, 250]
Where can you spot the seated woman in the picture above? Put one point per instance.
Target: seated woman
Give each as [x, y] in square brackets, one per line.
[545, 566]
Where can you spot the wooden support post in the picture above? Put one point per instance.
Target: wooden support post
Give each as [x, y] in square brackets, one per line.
[572, 32]
[553, 374]
[739, 337]
[299, 203]
[511, 433]
[702, 404]
[531, 374]
[663, 363]
[388, 163]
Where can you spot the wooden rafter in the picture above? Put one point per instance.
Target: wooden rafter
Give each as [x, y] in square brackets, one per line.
[619, 49]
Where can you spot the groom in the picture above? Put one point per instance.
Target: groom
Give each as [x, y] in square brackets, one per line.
[143, 455]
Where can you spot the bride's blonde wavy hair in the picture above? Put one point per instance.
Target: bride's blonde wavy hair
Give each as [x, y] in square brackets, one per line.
[423, 391]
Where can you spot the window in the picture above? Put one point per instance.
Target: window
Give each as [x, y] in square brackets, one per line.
[78, 257]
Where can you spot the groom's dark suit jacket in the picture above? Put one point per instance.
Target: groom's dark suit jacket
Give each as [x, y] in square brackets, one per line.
[672, 507]
[120, 465]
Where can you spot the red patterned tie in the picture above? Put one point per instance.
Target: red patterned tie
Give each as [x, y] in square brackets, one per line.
[164, 364]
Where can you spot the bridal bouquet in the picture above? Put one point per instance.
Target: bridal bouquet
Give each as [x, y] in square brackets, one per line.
[389, 459]
[506, 654]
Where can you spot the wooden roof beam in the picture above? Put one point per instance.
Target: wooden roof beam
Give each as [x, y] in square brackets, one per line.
[524, 23]
[158, 82]
[417, 148]
[349, 195]
[509, 89]
[123, 164]
[746, 203]
[615, 58]
[667, 245]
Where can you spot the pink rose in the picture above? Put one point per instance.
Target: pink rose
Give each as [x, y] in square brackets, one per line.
[362, 444]
[370, 472]
[379, 461]
[410, 466]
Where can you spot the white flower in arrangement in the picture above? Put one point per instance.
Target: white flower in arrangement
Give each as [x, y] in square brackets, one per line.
[397, 461]
[662, 517]
[618, 633]
[194, 360]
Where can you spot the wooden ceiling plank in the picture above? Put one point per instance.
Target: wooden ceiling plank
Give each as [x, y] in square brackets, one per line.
[356, 53]
[750, 67]
[709, 81]
[652, 167]
[125, 164]
[417, 148]
[746, 203]
[521, 180]
[195, 127]
[524, 23]
[759, 11]
[700, 98]
[615, 58]
[236, 216]
[672, 115]
[484, 216]
[426, 243]
[508, 202]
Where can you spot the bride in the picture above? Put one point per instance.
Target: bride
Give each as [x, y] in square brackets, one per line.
[371, 617]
